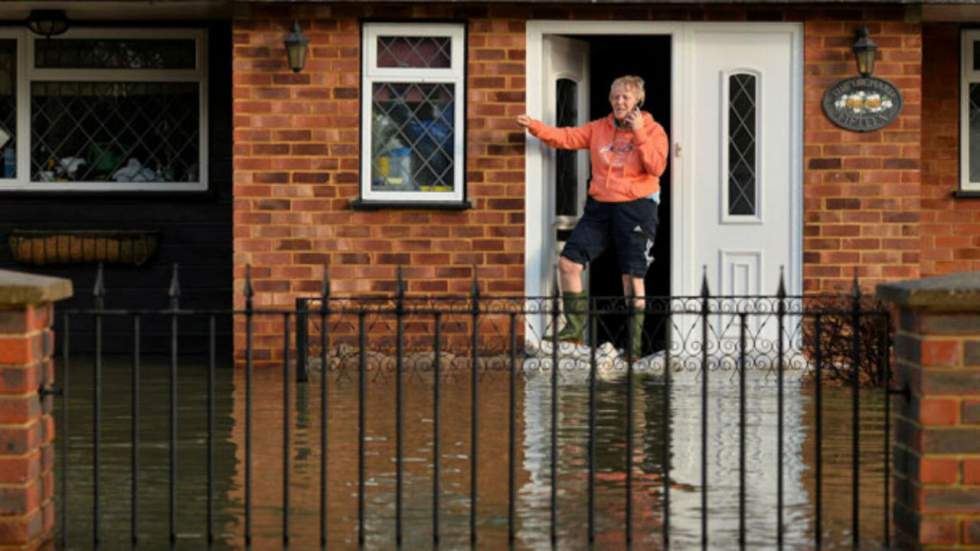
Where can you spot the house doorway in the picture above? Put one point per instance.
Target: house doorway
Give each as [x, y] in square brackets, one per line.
[579, 72]
[729, 96]
[647, 56]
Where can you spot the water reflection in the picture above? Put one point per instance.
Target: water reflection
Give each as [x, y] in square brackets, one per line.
[533, 482]
[153, 480]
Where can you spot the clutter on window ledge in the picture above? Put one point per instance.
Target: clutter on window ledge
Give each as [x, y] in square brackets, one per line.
[47, 247]
[107, 167]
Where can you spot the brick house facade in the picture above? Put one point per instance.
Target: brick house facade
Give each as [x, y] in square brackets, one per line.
[286, 156]
[878, 201]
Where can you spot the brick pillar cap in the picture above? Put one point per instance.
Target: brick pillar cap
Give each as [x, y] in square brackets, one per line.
[20, 289]
[954, 292]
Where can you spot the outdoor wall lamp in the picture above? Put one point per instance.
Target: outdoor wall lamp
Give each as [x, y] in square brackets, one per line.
[864, 52]
[47, 23]
[296, 46]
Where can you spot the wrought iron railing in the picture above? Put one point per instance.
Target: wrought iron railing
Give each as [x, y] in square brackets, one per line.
[476, 337]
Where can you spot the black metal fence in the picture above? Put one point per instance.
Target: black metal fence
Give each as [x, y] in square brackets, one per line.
[476, 337]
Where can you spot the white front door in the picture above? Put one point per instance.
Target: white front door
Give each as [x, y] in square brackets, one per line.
[566, 93]
[742, 153]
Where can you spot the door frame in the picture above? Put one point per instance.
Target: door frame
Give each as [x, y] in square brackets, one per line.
[685, 274]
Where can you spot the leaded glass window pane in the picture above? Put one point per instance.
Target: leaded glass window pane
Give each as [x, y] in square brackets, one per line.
[106, 53]
[115, 132]
[8, 108]
[974, 132]
[417, 52]
[741, 145]
[566, 160]
[412, 138]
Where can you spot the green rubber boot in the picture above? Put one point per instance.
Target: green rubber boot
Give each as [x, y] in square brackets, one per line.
[636, 335]
[574, 305]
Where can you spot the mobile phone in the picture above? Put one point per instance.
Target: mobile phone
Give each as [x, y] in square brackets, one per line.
[623, 123]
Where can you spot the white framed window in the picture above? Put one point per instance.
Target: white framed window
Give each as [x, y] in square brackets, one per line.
[106, 110]
[11, 124]
[412, 116]
[970, 111]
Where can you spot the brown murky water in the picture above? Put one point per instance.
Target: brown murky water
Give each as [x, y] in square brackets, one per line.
[532, 445]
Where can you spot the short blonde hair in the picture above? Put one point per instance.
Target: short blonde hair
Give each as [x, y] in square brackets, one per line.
[630, 81]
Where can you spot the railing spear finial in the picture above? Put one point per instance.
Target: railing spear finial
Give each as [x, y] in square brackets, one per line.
[555, 291]
[475, 286]
[399, 291]
[248, 291]
[400, 282]
[781, 291]
[475, 292]
[98, 290]
[174, 291]
[705, 293]
[856, 286]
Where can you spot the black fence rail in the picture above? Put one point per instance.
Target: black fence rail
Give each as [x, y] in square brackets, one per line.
[442, 340]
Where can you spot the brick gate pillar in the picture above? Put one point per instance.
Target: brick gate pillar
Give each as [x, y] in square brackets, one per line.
[26, 425]
[937, 436]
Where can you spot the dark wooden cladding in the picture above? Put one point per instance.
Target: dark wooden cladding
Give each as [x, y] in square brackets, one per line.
[195, 232]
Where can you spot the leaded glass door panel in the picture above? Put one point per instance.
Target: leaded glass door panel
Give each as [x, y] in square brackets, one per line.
[566, 104]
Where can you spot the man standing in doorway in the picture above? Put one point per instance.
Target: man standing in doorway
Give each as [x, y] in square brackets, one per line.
[628, 153]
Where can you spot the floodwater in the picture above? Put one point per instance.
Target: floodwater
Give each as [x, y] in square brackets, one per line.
[532, 443]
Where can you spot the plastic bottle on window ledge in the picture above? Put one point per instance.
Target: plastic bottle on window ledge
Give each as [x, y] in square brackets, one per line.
[400, 167]
[9, 162]
[384, 166]
[47, 175]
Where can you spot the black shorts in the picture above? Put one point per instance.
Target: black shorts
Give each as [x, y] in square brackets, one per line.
[630, 226]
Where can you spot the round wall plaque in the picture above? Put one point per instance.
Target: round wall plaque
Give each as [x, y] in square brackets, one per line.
[862, 104]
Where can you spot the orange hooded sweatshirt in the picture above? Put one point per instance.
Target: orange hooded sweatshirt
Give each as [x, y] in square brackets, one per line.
[625, 165]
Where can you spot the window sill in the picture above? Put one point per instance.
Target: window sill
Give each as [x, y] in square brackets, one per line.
[86, 194]
[360, 204]
[962, 194]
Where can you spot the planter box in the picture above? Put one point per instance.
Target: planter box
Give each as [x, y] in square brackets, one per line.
[45, 247]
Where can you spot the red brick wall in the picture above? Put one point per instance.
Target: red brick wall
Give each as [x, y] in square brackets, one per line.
[950, 226]
[937, 447]
[861, 190]
[296, 155]
[297, 161]
[26, 427]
